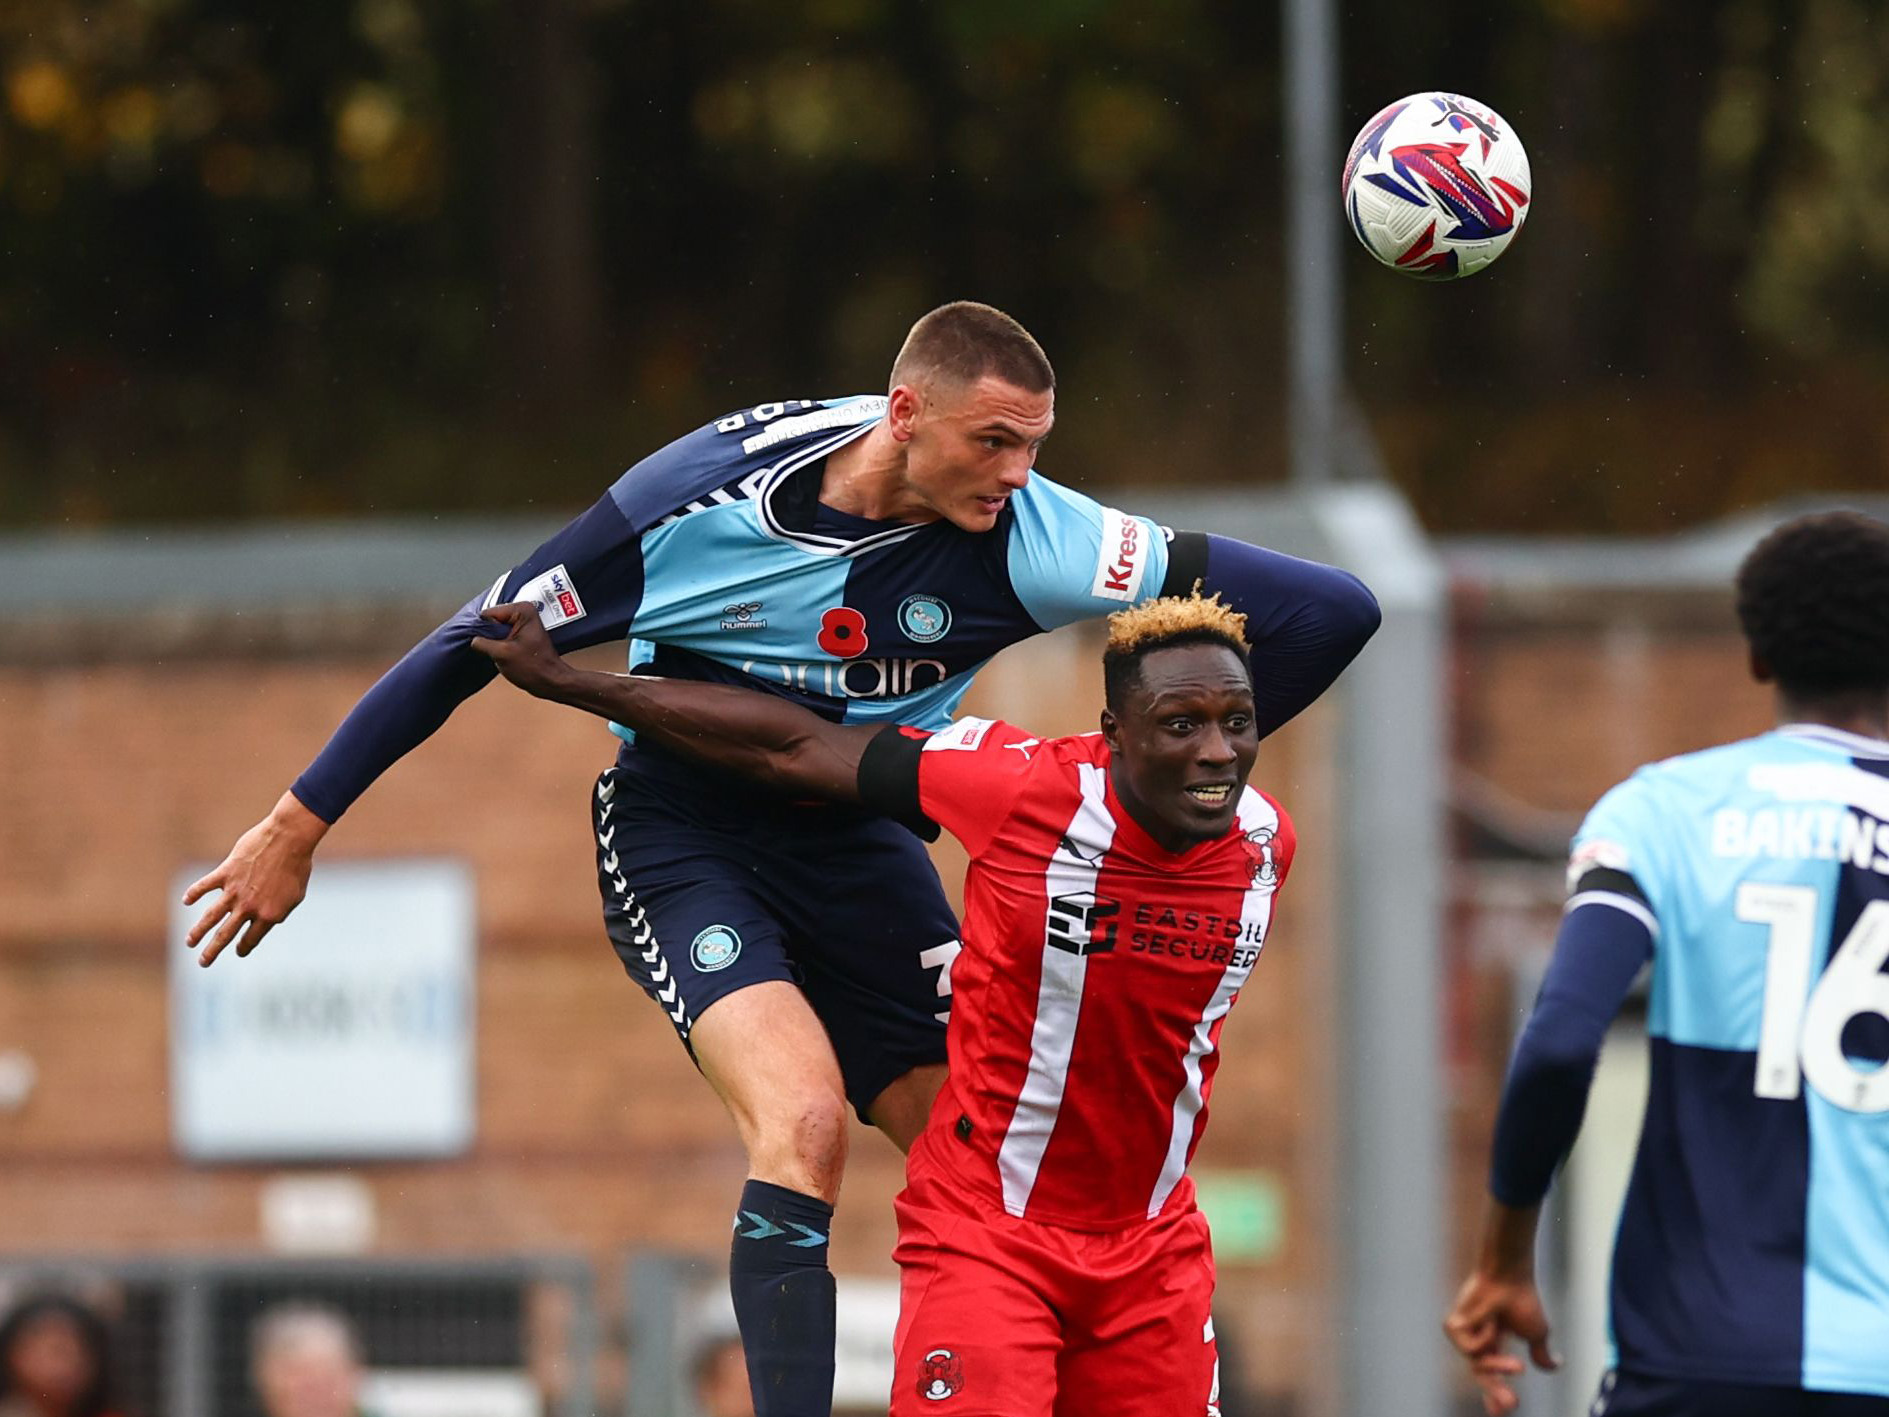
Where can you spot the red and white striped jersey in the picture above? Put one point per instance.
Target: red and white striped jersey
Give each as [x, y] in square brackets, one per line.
[1096, 971]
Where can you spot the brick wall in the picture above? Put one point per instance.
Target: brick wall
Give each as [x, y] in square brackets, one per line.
[594, 1134]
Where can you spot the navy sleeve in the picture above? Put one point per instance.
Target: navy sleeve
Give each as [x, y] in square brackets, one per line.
[1605, 939]
[1306, 621]
[587, 582]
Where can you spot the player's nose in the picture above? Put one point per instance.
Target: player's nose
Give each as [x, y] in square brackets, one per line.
[1216, 747]
[1015, 473]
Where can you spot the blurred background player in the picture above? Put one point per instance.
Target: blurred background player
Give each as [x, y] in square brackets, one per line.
[1121, 886]
[306, 1362]
[862, 557]
[1751, 1266]
[55, 1360]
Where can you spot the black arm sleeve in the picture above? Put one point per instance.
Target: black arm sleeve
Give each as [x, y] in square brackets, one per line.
[888, 779]
[1607, 878]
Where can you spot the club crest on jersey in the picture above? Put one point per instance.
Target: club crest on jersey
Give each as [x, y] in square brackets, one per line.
[715, 948]
[1259, 853]
[940, 1375]
[924, 618]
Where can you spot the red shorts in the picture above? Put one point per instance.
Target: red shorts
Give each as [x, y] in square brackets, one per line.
[1001, 1317]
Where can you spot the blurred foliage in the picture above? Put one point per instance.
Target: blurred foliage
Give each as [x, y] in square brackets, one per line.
[451, 255]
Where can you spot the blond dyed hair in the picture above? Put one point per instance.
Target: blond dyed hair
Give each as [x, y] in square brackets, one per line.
[1156, 624]
[1135, 630]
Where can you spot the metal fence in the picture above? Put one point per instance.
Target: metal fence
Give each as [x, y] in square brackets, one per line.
[459, 1335]
[526, 1336]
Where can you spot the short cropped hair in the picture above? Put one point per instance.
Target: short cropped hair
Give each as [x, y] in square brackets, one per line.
[961, 342]
[1812, 599]
[1163, 624]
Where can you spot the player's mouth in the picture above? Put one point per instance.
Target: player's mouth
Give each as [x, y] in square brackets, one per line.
[993, 505]
[1211, 794]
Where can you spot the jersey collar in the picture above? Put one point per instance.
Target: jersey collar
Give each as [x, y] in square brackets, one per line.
[1856, 744]
[774, 481]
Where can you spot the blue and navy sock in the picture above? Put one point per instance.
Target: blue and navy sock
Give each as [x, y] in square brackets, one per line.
[783, 1295]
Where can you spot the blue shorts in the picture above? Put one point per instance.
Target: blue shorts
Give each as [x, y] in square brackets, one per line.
[1624, 1394]
[710, 885]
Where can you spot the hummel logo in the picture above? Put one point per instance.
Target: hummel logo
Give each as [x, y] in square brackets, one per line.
[740, 616]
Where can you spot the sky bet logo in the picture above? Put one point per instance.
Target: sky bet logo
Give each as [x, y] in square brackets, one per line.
[555, 596]
[1081, 923]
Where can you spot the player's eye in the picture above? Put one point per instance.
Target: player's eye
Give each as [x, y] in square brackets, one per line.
[991, 441]
[1180, 725]
[1239, 722]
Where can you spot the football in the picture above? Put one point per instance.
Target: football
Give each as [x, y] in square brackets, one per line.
[1436, 186]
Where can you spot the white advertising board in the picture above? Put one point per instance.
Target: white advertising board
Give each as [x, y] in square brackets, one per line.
[348, 1033]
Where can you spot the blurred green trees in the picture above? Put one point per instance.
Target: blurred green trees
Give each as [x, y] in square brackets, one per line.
[448, 255]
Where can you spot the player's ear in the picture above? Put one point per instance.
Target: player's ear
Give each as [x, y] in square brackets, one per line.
[903, 406]
[1111, 731]
[1760, 670]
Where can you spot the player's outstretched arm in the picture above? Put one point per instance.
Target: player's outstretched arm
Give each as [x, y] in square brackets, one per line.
[1306, 620]
[742, 731]
[266, 873]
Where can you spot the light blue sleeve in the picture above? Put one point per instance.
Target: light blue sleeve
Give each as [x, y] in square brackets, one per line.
[1624, 832]
[1071, 558]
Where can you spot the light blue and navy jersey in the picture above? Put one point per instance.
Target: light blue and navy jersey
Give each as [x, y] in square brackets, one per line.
[753, 580]
[715, 557]
[1753, 1245]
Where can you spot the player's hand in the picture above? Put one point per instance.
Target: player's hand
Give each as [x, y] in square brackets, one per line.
[525, 654]
[1487, 1311]
[263, 878]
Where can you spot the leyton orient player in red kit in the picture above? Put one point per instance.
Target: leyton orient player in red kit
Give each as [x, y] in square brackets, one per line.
[1120, 888]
